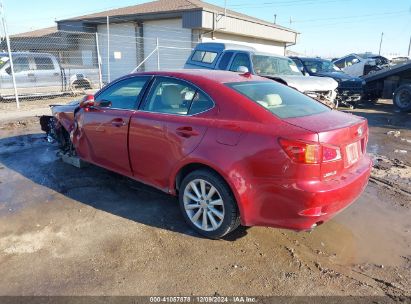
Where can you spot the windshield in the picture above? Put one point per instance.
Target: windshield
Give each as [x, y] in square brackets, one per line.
[320, 66]
[270, 65]
[3, 61]
[279, 99]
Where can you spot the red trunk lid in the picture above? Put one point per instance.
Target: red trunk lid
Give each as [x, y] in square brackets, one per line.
[347, 131]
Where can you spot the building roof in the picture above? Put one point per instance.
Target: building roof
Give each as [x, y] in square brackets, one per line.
[37, 33]
[168, 6]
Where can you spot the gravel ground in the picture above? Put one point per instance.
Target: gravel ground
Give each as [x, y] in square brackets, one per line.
[69, 231]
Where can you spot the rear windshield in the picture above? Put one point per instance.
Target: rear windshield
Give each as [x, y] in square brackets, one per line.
[204, 56]
[279, 99]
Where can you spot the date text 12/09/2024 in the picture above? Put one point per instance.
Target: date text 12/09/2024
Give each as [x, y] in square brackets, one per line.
[203, 299]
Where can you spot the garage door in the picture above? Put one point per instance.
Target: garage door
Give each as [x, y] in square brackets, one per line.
[174, 41]
[123, 49]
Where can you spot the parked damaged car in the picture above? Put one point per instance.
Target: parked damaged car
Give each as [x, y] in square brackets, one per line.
[234, 148]
[240, 58]
[350, 89]
[358, 65]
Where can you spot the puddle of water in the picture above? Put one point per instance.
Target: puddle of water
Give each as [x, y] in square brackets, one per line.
[369, 231]
[373, 149]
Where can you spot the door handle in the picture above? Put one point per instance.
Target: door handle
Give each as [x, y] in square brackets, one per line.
[30, 74]
[56, 74]
[118, 122]
[186, 132]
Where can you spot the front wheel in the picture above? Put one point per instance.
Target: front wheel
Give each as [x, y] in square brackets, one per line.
[208, 205]
[402, 98]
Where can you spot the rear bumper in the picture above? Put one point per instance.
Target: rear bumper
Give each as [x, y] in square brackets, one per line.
[276, 203]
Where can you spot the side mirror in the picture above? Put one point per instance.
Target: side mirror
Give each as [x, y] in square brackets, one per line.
[355, 60]
[87, 101]
[8, 70]
[242, 69]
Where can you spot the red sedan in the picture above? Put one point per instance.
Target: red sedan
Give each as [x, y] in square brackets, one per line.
[234, 148]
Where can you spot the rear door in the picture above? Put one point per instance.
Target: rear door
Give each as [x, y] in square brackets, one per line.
[47, 74]
[169, 126]
[102, 133]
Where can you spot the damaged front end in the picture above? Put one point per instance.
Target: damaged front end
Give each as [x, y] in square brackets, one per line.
[55, 132]
[58, 127]
[326, 97]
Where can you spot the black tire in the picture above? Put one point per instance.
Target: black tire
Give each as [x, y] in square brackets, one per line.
[402, 98]
[231, 219]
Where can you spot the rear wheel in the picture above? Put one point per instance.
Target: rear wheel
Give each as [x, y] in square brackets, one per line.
[402, 98]
[208, 205]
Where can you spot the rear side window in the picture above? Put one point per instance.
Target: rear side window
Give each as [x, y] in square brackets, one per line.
[204, 56]
[43, 63]
[200, 103]
[173, 96]
[225, 60]
[280, 100]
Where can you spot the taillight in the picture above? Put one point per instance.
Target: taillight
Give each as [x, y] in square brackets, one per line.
[301, 152]
[330, 153]
[309, 152]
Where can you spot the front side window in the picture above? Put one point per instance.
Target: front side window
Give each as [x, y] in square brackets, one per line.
[320, 66]
[43, 63]
[125, 93]
[3, 61]
[271, 66]
[241, 59]
[340, 63]
[204, 56]
[299, 64]
[280, 100]
[21, 64]
[351, 60]
[173, 96]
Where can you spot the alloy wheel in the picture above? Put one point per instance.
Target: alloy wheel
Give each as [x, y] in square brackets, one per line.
[204, 205]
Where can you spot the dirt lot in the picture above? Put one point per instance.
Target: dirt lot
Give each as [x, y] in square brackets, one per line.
[66, 231]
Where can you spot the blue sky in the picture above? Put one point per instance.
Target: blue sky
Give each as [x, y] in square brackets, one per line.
[328, 28]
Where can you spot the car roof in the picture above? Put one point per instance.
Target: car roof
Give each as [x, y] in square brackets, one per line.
[309, 58]
[205, 74]
[5, 54]
[220, 47]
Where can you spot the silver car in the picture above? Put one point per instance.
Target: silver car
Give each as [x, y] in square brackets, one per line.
[239, 58]
[40, 74]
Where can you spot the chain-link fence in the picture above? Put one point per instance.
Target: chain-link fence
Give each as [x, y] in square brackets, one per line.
[49, 63]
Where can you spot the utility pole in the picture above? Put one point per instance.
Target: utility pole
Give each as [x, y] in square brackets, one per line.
[275, 18]
[409, 48]
[382, 35]
[108, 49]
[13, 76]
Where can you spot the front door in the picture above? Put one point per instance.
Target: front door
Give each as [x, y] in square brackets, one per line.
[25, 79]
[102, 133]
[169, 126]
